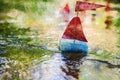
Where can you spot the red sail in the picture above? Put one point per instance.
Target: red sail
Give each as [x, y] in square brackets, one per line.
[66, 8]
[74, 30]
[82, 6]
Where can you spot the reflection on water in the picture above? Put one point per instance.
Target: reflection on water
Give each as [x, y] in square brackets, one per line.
[96, 70]
[72, 66]
[63, 66]
[72, 62]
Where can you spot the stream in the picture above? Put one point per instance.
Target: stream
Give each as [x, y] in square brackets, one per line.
[73, 66]
[35, 61]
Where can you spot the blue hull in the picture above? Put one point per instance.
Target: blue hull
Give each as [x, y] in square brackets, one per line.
[75, 46]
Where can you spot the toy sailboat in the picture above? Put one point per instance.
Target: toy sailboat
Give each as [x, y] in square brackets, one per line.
[73, 39]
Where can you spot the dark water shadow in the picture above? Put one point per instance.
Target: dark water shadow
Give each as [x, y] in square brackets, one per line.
[72, 62]
[109, 65]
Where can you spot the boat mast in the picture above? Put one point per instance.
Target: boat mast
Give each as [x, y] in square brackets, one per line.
[77, 13]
